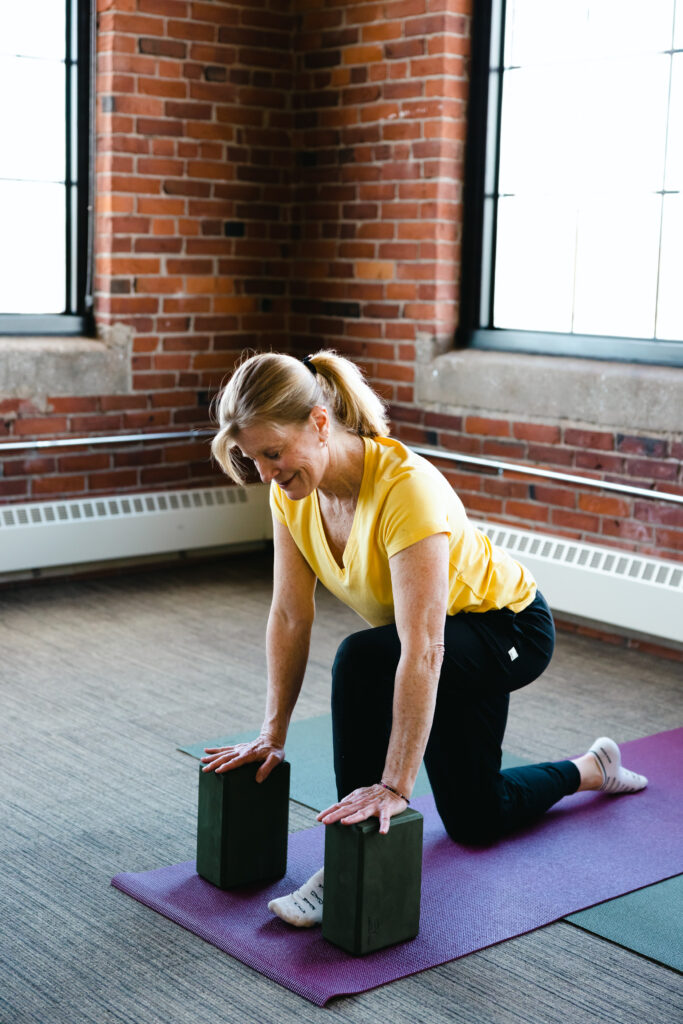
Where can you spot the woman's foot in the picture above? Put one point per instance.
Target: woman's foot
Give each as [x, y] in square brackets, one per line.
[303, 908]
[601, 769]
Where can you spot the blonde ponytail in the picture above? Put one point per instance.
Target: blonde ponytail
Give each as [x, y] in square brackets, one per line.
[273, 388]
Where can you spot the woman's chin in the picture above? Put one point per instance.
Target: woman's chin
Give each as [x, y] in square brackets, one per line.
[295, 488]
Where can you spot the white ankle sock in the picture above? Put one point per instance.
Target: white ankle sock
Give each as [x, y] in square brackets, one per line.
[302, 908]
[616, 779]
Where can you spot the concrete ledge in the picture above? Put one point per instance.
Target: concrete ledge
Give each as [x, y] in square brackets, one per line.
[36, 368]
[620, 396]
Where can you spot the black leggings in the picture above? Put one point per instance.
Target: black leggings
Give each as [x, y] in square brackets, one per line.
[487, 655]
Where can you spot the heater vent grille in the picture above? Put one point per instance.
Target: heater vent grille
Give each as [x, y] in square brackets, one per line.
[38, 535]
[605, 561]
[108, 508]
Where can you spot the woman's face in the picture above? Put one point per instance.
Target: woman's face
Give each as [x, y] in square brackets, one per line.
[290, 454]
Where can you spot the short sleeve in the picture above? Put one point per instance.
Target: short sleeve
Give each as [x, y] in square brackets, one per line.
[414, 508]
[276, 503]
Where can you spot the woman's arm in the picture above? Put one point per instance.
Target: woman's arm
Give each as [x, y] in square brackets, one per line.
[419, 577]
[288, 633]
[288, 636]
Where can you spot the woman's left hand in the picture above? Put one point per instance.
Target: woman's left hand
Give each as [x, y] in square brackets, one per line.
[366, 802]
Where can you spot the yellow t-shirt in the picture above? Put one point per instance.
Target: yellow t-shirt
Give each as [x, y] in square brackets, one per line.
[402, 500]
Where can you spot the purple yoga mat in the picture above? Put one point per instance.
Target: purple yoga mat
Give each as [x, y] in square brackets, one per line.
[587, 849]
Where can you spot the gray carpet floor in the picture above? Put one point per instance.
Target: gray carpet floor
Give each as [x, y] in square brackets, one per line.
[100, 679]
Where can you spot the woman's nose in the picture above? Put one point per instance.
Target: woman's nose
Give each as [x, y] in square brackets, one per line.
[266, 472]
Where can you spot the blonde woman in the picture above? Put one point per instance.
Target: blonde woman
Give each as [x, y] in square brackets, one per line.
[455, 624]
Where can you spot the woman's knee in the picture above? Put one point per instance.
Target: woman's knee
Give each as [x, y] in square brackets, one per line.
[473, 824]
[364, 655]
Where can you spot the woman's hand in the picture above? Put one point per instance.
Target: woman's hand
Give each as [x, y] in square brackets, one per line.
[224, 759]
[366, 802]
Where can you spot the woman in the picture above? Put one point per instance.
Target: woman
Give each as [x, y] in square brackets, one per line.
[455, 623]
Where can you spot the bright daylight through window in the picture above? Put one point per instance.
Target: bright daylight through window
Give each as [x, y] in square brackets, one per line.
[37, 173]
[589, 219]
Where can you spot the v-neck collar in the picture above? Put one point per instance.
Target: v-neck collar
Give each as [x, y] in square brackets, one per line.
[341, 570]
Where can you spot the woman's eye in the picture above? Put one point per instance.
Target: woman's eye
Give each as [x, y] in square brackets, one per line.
[272, 455]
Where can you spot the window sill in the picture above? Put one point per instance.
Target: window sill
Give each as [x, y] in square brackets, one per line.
[38, 367]
[623, 396]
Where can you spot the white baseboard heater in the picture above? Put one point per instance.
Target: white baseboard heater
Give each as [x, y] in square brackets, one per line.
[70, 532]
[632, 592]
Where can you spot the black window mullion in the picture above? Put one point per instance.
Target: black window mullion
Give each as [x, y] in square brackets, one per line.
[70, 127]
[86, 159]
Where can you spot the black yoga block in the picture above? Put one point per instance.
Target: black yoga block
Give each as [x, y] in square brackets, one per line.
[242, 826]
[372, 883]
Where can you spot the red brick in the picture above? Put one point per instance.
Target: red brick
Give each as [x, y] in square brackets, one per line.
[483, 503]
[503, 449]
[159, 126]
[73, 404]
[526, 510]
[113, 480]
[172, 399]
[627, 529]
[650, 446]
[603, 505]
[404, 48]
[58, 485]
[41, 425]
[187, 452]
[589, 439]
[93, 424]
[140, 420]
[554, 495]
[551, 456]
[152, 381]
[122, 402]
[83, 463]
[536, 432]
[658, 512]
[14, 488]
[602, 462]
[29, 467]
[164, 475]
[443, 421]
[395, 371]
[577, 520]
[488, 427]
[169, 8]
[670, 539]
[652, 469]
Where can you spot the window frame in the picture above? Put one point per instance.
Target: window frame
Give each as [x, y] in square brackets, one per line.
[79, 70]
[476, 328]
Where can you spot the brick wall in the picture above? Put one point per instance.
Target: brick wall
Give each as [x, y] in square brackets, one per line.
[289, 174]
[192, 213]
[379, 127]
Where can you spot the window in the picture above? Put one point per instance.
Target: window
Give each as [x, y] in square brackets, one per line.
[45, 76]
[574, 186]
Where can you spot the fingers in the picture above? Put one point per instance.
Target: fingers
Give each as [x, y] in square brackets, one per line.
[361, 805]
[272, 761]
[225, 759]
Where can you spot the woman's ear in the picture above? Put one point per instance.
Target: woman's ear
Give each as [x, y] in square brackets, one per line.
[320, 419]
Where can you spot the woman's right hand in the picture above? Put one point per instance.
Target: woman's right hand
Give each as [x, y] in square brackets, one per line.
[224, 759]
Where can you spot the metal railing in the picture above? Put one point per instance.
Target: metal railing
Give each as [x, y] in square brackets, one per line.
[435, 453]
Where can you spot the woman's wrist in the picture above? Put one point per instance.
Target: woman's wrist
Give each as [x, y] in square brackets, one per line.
[396, 792]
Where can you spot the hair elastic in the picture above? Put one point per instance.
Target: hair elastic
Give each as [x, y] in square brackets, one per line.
[309, 365]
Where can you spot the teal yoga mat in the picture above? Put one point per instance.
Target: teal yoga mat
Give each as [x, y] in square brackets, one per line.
[309, 751]
[649, 921]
